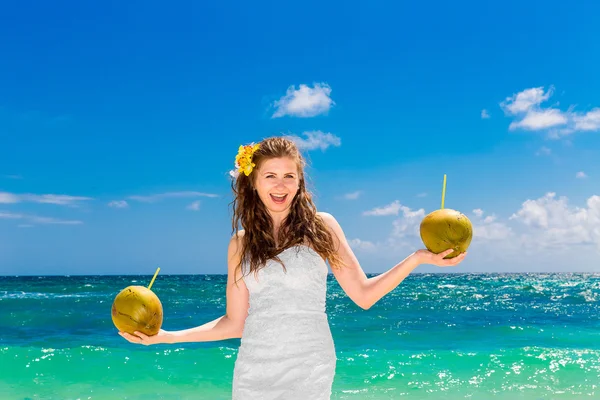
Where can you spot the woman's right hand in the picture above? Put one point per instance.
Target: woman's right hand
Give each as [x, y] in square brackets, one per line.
[139, 338]
[427, 257]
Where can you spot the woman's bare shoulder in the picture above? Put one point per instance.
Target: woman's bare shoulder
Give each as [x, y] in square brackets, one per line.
[235, 243]
[326, 217]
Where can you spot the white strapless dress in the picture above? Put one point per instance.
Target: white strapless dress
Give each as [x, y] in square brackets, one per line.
[287, 350]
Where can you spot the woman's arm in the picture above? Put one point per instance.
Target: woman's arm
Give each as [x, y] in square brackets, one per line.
[228, 326]
[367, 291]
[378, 286]
[220, 329]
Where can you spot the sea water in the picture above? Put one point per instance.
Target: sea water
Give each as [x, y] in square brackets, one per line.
[436, 336]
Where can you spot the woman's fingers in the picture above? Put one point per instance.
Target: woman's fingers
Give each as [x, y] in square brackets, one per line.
[460, 257]
[141, 335]
[454, 261]
[440, 256]
[447, 252]
[125, 336]
[130, 338]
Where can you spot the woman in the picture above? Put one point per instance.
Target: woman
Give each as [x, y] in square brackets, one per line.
[277, 307]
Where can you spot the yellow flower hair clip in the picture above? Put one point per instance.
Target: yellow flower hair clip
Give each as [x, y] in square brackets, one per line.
[243, 160]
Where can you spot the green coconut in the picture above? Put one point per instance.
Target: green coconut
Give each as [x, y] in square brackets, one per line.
[445, 229]
[137, 308]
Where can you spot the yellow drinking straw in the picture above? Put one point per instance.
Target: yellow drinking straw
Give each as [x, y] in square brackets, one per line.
[156, 273]
[444, 191]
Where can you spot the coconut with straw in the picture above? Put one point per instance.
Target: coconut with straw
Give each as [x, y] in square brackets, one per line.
[137, 308]
[445, 229]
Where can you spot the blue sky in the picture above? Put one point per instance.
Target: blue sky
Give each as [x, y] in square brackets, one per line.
[119, 124]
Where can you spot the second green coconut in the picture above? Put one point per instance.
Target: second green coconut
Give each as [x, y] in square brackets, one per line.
[445, 229]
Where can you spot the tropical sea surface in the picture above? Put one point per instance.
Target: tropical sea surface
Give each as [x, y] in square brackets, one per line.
[436, 336]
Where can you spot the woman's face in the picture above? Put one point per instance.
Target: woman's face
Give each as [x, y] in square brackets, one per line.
[277, 183]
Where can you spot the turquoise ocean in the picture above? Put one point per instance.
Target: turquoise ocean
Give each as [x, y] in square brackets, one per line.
[436, 336]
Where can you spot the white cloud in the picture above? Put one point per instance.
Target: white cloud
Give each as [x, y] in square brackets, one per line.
[38, 219]
[7, 215]
[195, 206]
[391, 209]
[422, 195]
[536, 120]
[353, 195]
[526, 107]
[489, 219]
[315, 140]
[161, 196]
[535, 212]
[405, 228]
[13, 176]
[488, 229]
[59, 199]
[408, 224]
[543, 151]
[485, 114]
[404, 235]
[305, 101]
[580, 175]
[7, 198]
[363, 245]
[118, 204]
[49, 220]
[589, 121]
[551, 222]
[524, 101]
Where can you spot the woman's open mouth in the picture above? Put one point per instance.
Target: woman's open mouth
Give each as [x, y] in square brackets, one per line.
[278, 199]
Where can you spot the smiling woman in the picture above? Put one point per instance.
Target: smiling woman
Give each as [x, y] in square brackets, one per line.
[277, 307]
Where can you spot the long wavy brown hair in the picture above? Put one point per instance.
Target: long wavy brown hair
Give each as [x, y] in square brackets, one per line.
[302, 226]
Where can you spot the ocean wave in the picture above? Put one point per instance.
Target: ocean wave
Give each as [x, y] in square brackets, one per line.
[46, 295]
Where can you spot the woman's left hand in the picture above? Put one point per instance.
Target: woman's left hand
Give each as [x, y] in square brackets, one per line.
[139, 338]
[427, 257]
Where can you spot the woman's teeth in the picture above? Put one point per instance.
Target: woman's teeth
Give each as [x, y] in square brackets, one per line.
[278, 199]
